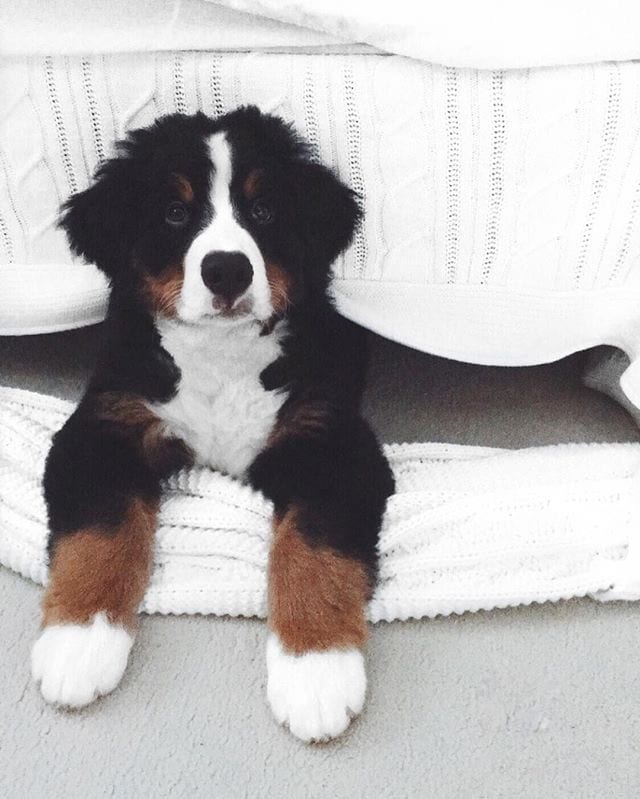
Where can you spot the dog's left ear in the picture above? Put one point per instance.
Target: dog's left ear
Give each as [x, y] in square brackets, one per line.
[328, 209]
[98, 220]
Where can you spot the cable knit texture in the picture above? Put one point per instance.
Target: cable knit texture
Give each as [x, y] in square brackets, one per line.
[469, 528]
[494, 199]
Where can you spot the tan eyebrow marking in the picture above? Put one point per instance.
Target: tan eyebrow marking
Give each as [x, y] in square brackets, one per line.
[252, 184]
[185, 189]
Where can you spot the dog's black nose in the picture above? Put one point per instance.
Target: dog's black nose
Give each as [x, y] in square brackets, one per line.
[226, 274]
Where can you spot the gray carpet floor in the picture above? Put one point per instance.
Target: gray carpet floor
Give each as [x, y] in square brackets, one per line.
[532, 702]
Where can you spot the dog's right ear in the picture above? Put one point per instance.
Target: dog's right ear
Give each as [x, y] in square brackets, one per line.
[99, 220]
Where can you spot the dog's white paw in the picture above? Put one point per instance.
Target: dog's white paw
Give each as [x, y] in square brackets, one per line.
[316, 694]
[76, 663]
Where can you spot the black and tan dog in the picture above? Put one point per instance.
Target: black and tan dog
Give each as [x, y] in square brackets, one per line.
[221, 347]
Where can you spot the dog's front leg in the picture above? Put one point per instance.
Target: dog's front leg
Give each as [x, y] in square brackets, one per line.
[102, 486]
[317, 627]
[329, 491]
[97, 578]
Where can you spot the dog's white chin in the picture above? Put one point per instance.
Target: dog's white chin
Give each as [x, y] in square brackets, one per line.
[216, 319]
[222, 318]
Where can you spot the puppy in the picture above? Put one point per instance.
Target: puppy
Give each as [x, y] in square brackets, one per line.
[222, 347]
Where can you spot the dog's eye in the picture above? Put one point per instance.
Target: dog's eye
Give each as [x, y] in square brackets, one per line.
[261, 212]
[176, 214]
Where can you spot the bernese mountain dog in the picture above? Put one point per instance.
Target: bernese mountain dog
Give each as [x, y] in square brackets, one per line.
[221, 347]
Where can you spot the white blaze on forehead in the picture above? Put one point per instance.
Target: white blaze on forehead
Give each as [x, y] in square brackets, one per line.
[222, 234]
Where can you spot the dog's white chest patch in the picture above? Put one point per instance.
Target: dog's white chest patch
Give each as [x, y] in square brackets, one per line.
[221, 410]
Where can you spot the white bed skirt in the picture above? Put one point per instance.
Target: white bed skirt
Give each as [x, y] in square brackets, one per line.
[502, 208]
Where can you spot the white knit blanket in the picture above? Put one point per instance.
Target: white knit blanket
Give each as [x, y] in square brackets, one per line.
[469, 528]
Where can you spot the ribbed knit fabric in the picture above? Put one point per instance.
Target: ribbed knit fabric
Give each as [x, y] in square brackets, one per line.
[469, 528]
[502, 207]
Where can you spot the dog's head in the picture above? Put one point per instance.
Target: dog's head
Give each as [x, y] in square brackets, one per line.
[214, 218]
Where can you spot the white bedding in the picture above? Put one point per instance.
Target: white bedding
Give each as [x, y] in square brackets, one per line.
[468, 528]
[73, 27]
[493, 199]
[502, 207]
[482, 34]
[502, 222]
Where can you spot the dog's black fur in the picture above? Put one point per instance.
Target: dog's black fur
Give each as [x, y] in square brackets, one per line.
[339, 473]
